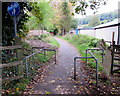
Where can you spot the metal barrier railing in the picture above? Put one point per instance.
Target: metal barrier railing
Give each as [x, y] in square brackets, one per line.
[92, 56]
[40, 51]
[82, 58]
[45, 49]
[98, 50]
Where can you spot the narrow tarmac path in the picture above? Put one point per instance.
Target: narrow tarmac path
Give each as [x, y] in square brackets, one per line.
[58, 79]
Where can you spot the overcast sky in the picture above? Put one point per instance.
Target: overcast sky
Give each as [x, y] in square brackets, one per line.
[110, 6]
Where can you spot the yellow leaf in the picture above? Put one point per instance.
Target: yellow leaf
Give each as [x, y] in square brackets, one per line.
[47, 93]
[17, 89]
[113, 88]
[8, 91]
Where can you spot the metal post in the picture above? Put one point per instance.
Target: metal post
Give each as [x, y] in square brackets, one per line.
[44, 54]
[15, 26]
[55, 57]
[102, 56]
[96, 71]
[86, 56]
[74, 68]
[26, 63]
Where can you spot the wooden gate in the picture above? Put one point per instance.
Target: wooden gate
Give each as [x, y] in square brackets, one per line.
[115, 64]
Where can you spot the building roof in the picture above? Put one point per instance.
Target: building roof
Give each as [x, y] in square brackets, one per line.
[112, 23]
[87, 28]
[115, 22]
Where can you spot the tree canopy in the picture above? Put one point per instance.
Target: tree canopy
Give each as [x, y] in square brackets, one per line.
[82, 5]
[94, 21]
[42, 15]
[103, 18]
[45, 15]
[8, 27]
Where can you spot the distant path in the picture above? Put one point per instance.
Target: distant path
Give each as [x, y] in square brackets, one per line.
[59, 79]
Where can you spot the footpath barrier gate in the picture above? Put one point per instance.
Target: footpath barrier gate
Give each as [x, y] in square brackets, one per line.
[92, 57]
[41, 51]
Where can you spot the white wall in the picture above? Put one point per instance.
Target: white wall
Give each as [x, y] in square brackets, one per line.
[88, 32]
[106, 33]
[103, 33]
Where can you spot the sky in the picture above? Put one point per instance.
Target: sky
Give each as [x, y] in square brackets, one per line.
[110, 6]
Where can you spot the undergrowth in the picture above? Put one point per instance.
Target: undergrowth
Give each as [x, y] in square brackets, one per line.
[34, 63]
[83, 42]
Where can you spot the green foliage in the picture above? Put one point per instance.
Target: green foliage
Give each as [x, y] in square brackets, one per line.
[44, 59]
[43, 37]
[84, 4]
[94, 42]
[25, 81]
[21, 86]
[83, 42]
[92, 64]
[104, 18]
[49, 39]
[8, 27]
[26, 45]
[94, 21]
[26, 49]
[42, 15]
[66, 18]
[40, 58]
[74, 23]
[32, 23]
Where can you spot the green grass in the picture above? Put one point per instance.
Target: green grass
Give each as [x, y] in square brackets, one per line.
[43, 59]
[39, 59]
[49, 39]
[83, 42]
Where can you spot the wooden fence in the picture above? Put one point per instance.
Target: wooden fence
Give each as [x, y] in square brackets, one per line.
[11, 64]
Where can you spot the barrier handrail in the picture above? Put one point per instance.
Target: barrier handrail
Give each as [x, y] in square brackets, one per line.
[44, 49]
[33, 54]
[93, 55]
[96, 60]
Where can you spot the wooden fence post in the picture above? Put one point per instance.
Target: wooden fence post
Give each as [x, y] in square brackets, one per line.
[113, 35]
[19, 55]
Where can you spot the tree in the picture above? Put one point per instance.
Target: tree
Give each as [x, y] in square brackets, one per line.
[84, 4]
[94, 21]
[56, 20]
[8, 27]
[74, 23]
[62, 16]
[41, 15]
[66, 18]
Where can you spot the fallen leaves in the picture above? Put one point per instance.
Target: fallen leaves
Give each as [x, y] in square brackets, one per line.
[53, 81]
[47, 93]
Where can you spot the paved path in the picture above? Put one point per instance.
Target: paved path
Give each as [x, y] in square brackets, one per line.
[59, 78]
